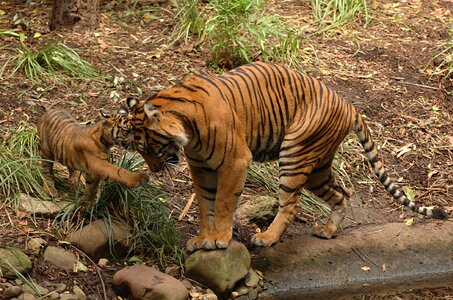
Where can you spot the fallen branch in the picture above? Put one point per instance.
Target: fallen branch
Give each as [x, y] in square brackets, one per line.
[417, 84]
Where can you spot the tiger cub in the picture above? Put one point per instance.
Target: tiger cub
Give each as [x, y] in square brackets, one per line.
[85, 149]
[261, 112]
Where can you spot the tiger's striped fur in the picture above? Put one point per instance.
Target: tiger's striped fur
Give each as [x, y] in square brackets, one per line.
[259, 111]
[84, 149]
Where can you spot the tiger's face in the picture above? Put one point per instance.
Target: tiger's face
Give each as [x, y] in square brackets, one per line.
[118, 129]
[158, 137]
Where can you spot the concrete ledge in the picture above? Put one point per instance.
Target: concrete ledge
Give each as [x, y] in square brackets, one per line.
[397, 255]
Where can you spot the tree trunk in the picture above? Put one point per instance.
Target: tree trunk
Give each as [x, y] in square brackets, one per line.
[80, 13]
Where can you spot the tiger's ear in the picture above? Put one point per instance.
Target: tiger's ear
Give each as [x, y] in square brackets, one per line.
[132, 103]
[104, 115]
[123, 111]
[152, 114]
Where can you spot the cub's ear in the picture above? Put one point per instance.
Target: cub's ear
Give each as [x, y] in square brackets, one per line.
[104, 115]
[152, 114]
[132, 103]
[123, 111]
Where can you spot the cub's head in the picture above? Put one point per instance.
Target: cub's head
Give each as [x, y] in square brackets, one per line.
[158, 137]
[117, 129]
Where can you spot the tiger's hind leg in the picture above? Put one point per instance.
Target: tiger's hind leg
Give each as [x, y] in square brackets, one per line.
[322, 183]
[73, 178]
[292, 179]
[92, 183]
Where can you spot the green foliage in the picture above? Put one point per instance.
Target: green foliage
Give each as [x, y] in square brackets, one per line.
[50, 62]
[189, 19]
[238, 31]
[264, 175]
[332, 14]
[19, 166]
[443, 60]
[143, 209]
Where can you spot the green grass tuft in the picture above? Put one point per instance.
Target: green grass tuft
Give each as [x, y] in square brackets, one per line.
[331, 14]
[239, 31]
[20, 168]
[443, 59]
[143, 209]
[54, 61]
[265, 176]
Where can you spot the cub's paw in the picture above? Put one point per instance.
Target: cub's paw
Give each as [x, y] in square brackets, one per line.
[323, 231]
[265, 239]
[139, 180]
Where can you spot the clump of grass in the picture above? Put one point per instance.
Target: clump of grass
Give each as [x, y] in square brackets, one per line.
[443, 60]
[330, 14]
[239, 31]
[19, 166]
[51, 62]
[189, 19]
[143, 209]
[265, 175]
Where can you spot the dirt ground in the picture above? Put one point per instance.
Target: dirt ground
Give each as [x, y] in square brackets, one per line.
[383, 68]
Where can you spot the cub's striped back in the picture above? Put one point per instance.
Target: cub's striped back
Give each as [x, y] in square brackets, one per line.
[84, 149]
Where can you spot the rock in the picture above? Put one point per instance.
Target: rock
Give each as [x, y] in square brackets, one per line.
[260, 210]
[68, 297]
[79, 293]
[93, 239]
[146, 283]
[53, 296]
[172, 270]
[35, 245]
[219, 269]
[41, 291]
[61, 258]
[12, 291]
[41, 207]
[252, 279]
[60, 288]
[13, 260]
[187, 284]
[26, 296]
[210, 296]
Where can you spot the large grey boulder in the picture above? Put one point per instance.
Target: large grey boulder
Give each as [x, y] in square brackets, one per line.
[13, 261]
[219, 269]
[145, 283]
[93, 239]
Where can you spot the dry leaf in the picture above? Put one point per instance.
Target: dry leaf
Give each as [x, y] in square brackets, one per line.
[383, 268]
[365, 268]
[102, 44]
[409, 222]
[103, 262]
[405, 149]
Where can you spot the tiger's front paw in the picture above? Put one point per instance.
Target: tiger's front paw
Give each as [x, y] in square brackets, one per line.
[200, 242]
[265, 239]
[218, 241]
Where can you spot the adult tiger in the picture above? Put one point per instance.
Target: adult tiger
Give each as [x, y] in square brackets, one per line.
[259, 111]
[85, 149]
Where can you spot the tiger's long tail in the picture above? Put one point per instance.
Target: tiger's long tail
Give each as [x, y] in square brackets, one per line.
[365, 139]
